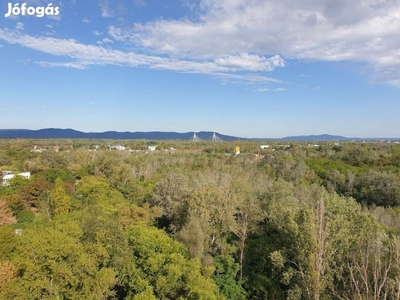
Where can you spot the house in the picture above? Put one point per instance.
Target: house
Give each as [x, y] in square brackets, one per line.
[8, 177]
[36, 149]
[118, 147]
[264, 147]
[152, 148]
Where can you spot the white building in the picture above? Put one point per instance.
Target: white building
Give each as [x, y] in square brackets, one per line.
[118, 147]
[264, 147]
[8, 177]
[152, 148]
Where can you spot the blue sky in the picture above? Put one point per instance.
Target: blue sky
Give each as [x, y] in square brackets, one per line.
[250, 68]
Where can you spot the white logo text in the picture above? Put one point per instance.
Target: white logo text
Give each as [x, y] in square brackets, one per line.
[38, 11]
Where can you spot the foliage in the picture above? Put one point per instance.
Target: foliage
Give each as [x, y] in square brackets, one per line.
[25, 216]
[52, 174]
[133, 214]
[36, 188]
[291, 222]
[59, 200]
[14, 201]
[171, 194]
[8, 242]
[225, 277]
[94, 191]
[165, 268]
[53, 264]
[7, 273]
[6, 215]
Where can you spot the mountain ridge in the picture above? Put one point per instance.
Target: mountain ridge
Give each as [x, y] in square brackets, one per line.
[58, 133]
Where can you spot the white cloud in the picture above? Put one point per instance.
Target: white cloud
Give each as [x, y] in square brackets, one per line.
[35, 2]
[118, 34]
[248, 78]
[85, 20]
[19, 26]
[189, 4]
[139, 2]
[106, 12]
[328, 30]
[84, 55]
[107, 40]
[65, 65]
[232, 36]
[267, 90]
[250, 62]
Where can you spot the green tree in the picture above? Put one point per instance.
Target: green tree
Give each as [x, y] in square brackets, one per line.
[8, 242]
[15, 202]
[5, 160]
[137, 191]
[214, 205]
[171, 194]
[26, 216]
[36, 187]
[164, 268]
[133, 214]
[226, 271]
[59, 201]
[51, 175]
[17, 184]
[192, 235]
[94, 191]
[7, 273]
[247, 214]
[6, 215]
[53, 264]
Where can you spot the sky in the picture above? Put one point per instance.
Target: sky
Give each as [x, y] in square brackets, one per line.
[248, 68]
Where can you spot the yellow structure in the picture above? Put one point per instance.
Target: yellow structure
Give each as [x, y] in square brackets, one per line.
[237, 150]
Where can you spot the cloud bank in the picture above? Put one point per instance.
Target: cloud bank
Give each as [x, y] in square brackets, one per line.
[232, 37]
[83, 55]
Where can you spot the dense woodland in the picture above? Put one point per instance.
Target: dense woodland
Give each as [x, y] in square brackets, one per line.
[192, 220]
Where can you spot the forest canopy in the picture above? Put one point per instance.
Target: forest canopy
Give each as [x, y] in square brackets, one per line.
[195, 220]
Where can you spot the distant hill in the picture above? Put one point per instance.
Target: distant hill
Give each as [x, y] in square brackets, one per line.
[57, 133]
[328, 137]
[321, 137]
[53, 133]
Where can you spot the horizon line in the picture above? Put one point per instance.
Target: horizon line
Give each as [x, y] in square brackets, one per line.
[204, 131]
